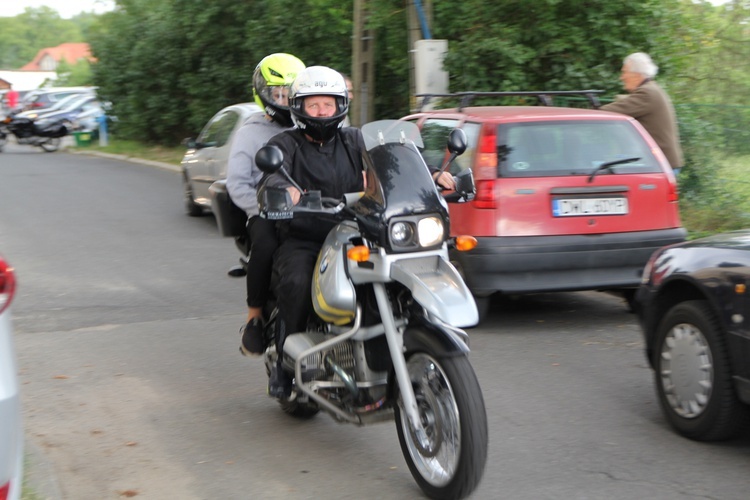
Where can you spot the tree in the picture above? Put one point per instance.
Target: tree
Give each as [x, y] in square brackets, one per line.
[22, 36]
[168, 66]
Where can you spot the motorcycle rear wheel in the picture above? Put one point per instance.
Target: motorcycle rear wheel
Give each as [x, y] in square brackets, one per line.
[50, 145]
[449, 461]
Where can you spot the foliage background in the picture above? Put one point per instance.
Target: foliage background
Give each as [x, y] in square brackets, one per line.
[168, 66]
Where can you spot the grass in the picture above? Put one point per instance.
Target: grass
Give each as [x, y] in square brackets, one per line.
[725, 205]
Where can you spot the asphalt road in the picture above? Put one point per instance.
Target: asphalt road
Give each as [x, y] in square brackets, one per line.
[127, 332]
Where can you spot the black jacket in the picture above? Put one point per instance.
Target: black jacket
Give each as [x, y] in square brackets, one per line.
[333, 168]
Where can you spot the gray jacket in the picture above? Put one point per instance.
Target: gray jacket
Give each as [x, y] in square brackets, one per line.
[243, 176]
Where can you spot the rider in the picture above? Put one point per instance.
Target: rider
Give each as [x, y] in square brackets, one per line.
[271, 80]
[319, 155]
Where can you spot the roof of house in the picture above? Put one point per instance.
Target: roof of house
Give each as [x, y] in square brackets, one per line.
[69, 52]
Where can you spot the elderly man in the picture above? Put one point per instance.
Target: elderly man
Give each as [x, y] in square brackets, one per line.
[647, 102]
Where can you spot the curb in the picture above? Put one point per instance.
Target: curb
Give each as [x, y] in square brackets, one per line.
[131, 159]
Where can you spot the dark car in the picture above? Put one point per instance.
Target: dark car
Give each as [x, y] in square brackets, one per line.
[68, 112]
[567, 199]
[41, 99]
[694, 308]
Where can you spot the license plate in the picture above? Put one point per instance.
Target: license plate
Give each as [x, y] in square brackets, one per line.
[589, 206]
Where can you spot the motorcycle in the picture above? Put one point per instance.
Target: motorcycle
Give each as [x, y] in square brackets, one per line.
[28, 132]
[385, 341]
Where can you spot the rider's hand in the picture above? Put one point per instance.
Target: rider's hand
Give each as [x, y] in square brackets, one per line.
[295, 194]
[445, 180]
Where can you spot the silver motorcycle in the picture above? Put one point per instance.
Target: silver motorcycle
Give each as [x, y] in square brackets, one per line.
[386, 340]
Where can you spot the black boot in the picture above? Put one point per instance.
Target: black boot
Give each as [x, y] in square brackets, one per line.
[252, 343]
[279, 383]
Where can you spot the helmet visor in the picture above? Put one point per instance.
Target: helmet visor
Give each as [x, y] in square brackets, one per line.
[278, 95]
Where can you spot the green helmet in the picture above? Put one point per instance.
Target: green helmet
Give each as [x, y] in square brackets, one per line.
[271, 80]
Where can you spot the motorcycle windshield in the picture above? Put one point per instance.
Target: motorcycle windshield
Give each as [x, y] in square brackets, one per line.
[398, 179]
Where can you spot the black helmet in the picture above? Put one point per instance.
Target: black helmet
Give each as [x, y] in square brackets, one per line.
[272, 73]
[314, 81]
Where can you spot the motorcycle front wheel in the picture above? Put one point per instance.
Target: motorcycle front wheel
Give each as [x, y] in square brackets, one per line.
[448, 460]
[50, 145]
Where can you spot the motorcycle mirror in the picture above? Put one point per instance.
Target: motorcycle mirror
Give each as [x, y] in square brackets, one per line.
[269, 159]
[456, 145]
[457, 141]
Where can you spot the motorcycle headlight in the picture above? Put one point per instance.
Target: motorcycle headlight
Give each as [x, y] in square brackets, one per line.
[415, 232]
[430, 231]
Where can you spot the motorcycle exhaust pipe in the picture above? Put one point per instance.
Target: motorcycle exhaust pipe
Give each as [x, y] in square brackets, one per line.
[343, 375]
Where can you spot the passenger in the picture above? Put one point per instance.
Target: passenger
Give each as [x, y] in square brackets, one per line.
[350, 93]
[271, 81]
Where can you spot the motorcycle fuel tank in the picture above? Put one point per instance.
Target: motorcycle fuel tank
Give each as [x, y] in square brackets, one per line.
[333, 295]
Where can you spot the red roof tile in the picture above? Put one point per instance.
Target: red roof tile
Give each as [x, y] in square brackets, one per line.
[69, 52]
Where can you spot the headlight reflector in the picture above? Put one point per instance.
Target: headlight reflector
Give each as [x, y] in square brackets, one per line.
[402, 233]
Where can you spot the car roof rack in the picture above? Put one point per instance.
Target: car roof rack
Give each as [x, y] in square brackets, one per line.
[544, 97]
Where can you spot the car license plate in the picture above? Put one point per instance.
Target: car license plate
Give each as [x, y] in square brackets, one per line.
[589, 206]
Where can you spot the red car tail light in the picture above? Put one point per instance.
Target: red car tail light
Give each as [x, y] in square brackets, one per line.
[7, 285]
[486, 165]
[485, 197]
[672, 194]
[485, 171]
[4, 491]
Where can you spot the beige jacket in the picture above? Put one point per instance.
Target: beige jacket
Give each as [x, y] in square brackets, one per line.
[651, 106]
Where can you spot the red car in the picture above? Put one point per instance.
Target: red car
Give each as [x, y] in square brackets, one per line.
[567, 198]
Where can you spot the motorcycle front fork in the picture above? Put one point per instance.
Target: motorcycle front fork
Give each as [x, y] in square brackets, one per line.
[396, 347]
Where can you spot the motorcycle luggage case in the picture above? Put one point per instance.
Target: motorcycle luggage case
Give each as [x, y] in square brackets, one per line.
[230, 218]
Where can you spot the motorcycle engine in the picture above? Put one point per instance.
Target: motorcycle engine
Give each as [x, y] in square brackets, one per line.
[321, 365]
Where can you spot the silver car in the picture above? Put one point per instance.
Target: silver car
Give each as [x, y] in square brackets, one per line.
[206, 159]
[11, 432]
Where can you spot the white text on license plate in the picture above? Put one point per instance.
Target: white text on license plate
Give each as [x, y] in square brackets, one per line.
[589, 206]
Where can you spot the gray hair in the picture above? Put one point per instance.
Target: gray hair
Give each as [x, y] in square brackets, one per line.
[640, 62]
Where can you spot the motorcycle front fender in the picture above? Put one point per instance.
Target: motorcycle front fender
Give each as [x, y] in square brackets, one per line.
[438, 287]
[434, 339]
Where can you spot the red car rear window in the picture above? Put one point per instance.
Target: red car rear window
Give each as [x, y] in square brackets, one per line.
[565, 148]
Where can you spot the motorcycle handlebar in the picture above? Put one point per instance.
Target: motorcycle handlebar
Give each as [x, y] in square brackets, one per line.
[277, 204]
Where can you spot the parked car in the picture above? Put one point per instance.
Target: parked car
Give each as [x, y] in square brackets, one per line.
[45, 98]
[70, 114]
[11, 433]
[694, 309]
[206, 159]
[567, 199]
[66, 111]
[56, 106]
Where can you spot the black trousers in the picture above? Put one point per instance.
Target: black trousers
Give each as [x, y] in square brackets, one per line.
[294, 265]
[264, 242]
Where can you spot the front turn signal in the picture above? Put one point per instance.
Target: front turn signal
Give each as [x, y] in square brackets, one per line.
[465, 243]
[360, 253]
